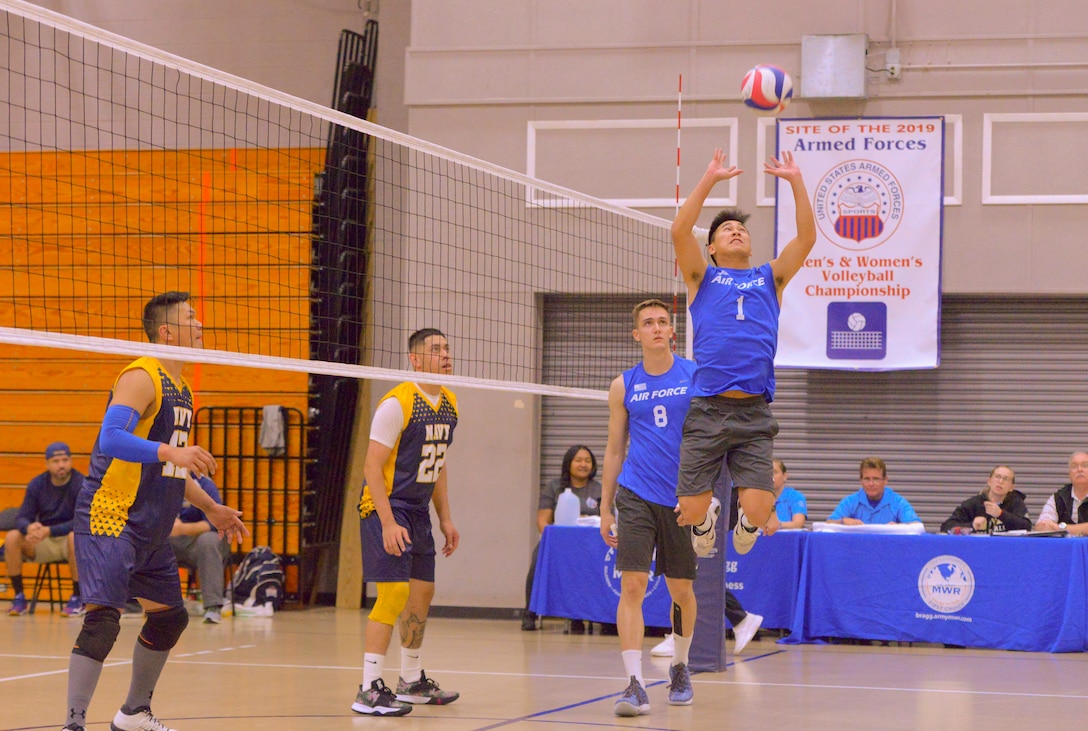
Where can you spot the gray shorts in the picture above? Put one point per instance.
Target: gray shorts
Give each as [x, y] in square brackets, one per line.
[644, 526]
[734, 433]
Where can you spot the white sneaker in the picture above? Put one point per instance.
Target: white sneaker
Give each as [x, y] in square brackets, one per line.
[665, 648]
[745, 630]
[140, 721]
[743, 539]
[703, 543]
[212, 616]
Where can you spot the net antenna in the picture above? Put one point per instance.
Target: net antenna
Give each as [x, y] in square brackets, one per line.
[676, 213]
[126, 171]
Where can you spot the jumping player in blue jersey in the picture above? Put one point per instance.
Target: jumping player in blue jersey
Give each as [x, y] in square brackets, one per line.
[405, 472]
[648, 404]
[142, 467]
[734, 310]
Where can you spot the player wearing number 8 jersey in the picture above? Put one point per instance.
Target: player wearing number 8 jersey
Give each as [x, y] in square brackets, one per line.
[405, 472]
[734, 311]
[648, 404]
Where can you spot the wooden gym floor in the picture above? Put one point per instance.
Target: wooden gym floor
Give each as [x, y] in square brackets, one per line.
[300, 670]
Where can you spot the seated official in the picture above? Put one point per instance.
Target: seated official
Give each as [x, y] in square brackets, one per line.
[875, 503]
[577, 472]
[790, 505]
[998, 508]
[43, 527]
[197, 544]
[1067, 509]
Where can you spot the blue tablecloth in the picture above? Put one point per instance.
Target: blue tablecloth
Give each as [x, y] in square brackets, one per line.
[1014, 593]
[765, 580]
[1011, 593]
[576, 578]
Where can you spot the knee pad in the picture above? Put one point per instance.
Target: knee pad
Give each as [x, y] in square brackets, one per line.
[161, 630]
[392, 598]
[100, 628]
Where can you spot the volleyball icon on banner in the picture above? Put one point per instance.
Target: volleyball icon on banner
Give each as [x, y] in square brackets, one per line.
[767, 88]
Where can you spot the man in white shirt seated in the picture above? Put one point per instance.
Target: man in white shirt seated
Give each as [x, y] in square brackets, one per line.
[1067, 509]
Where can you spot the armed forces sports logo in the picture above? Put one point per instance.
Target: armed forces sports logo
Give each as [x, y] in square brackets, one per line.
[858, 205]
[612, 574]
[946, 584]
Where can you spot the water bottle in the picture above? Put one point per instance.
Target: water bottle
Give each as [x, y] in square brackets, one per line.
[567, 508]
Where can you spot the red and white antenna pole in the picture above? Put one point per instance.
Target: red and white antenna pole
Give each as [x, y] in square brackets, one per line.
[675, 264]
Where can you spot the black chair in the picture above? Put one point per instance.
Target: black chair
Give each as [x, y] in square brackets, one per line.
[50, 580]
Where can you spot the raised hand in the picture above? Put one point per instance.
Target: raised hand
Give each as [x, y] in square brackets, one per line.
[717, 168]
[785, 168]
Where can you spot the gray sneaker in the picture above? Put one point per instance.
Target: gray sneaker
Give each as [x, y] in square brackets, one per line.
[743, 539]
[703, 543]
[212, 615]
[680, 690]
[634, 701]
[378, 700]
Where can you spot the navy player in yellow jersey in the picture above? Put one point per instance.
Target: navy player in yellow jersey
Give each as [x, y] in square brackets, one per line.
[405, 472]
[734, 312]
[141, 470]
[648, 404]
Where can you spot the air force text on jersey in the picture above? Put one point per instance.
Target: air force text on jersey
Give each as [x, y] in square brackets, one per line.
[644, 395]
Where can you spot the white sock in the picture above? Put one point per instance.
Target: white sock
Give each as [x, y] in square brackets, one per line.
[632, 665]
[411, 666]
[373, 664]
[681, 645]
[746, 525]
[703, 527]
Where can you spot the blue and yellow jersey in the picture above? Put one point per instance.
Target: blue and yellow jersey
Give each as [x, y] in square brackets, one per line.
[141, 500]
[417, 458]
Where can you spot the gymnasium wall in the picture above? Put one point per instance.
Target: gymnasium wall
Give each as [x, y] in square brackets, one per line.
[474, 75]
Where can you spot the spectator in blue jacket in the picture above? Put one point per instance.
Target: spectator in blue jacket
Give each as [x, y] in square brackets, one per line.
[43, 527]
[875, 502]
[790, 506]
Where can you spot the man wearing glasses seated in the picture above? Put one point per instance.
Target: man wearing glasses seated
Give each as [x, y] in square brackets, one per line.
[1067, 509]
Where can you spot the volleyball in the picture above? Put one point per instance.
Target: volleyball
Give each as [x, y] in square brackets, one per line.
[767, 88]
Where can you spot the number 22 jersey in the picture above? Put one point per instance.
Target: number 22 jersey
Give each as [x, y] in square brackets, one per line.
[419, 451]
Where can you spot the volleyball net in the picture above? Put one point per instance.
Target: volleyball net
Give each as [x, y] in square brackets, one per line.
[309, 238]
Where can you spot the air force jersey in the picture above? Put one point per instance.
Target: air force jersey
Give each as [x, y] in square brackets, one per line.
[656, 407]
[417, 458]
[735, 318]
[140, 500]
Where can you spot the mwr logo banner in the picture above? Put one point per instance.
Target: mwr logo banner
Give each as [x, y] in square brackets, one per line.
[946, 584]
[868, 296]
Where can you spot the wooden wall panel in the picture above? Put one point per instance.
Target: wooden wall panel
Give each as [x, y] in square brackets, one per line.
[87, 237]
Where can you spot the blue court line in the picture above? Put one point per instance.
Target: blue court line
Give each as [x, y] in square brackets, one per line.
[538, 714]
[588, 701]
[772, 653]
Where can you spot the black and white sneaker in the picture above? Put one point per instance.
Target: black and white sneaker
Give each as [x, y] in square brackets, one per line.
[703, 543]
[378, 700]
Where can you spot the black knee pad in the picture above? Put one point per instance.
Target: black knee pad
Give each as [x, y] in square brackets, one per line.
[100, 628]
[161, 630]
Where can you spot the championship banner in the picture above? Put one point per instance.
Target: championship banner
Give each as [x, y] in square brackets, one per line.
[869, 294]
